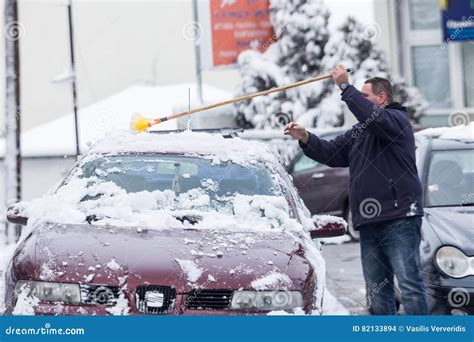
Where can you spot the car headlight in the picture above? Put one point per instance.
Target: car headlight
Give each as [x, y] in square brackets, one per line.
[266, 300]
[50, 292]
[453, 262]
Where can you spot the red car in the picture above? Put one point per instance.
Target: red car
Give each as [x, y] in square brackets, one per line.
[182, 223]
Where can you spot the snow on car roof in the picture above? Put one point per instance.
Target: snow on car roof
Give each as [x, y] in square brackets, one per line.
[458, 133]
[221, 149]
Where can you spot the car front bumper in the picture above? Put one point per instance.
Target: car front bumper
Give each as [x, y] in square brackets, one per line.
[450, 300]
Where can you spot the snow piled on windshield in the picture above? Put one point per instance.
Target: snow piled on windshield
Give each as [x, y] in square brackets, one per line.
[108, 204]
[460, 133]
[215, 146]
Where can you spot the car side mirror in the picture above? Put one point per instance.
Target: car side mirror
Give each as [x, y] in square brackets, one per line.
[15, 214]
[328, 226]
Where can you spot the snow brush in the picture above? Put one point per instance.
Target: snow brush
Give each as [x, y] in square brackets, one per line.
[140, 123]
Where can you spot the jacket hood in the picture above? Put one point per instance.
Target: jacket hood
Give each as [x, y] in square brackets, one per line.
[396, 106]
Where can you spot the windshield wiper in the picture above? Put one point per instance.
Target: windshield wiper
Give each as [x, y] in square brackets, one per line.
[193, 219]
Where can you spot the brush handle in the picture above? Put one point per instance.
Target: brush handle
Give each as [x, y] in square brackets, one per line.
[244, 97]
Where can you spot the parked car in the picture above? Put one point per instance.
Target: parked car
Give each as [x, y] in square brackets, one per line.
[445, 162]
[182, 223]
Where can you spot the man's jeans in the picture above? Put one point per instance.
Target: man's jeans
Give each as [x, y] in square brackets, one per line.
[392, 248]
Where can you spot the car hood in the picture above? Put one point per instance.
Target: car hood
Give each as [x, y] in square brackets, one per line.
[453, 226]
[183, 258]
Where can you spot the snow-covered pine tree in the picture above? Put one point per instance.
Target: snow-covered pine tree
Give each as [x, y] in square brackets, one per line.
[301, 29]
[304, 49]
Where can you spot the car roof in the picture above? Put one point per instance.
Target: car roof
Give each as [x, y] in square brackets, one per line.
[445, 144]
[448, 138]
[187, 143]
[269, 134]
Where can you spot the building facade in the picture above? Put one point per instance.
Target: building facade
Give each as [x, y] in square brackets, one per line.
[412, 37]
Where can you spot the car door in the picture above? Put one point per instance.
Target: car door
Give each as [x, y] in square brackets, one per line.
[322, 188]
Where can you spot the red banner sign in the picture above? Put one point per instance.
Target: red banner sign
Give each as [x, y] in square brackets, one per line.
[238, 25]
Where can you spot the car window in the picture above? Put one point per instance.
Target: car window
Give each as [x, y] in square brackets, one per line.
[304, 163]
[182, 174]
[450, 178]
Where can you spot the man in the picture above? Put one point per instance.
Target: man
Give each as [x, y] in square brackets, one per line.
[384, 190]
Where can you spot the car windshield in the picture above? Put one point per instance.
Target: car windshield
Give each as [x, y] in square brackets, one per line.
[181, 175]
[450, 178]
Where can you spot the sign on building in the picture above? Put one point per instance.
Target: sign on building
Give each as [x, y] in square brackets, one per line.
[457, 19]
[230, 27]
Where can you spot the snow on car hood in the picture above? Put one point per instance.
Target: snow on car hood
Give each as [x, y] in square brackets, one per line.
[183, 258]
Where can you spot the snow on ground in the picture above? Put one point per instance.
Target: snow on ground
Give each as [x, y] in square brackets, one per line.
[460, 133]
[337, 240]
[56, 138]
[331, 306]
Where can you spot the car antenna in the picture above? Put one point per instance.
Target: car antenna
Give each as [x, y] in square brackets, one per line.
[188, 127]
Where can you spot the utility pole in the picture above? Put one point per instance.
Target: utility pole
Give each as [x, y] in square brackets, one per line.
[74, 78]
[13, 32]
[197, 51]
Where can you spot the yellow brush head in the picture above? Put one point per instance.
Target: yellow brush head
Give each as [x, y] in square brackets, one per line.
[139, 123]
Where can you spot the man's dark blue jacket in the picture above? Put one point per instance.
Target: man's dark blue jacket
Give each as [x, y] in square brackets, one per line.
[380, 153]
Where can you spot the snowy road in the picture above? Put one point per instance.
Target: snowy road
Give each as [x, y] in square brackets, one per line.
[344, 276]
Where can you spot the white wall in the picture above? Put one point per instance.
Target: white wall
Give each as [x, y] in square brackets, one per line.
[118, 43]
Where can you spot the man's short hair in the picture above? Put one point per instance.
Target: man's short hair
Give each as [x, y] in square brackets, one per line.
[380, 84]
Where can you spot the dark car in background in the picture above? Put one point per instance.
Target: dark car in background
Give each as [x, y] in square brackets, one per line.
[324, 189]
[446, 169]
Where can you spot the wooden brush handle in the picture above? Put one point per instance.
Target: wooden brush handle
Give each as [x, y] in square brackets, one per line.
[246, 97]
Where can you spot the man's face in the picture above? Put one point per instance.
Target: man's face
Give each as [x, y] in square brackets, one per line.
[379, 99]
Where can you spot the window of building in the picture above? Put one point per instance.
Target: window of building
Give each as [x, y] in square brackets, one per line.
[428, 61]
[444, 72]
[468, 73]
[424, 14]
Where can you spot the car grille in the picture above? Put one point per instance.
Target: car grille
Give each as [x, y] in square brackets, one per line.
[154, 299]
[101, 295]
[209, 299]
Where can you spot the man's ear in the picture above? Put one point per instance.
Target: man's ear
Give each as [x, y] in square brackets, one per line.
[383, 98]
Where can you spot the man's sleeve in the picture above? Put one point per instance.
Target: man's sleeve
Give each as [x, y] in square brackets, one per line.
[334, 153]
[377, 120]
